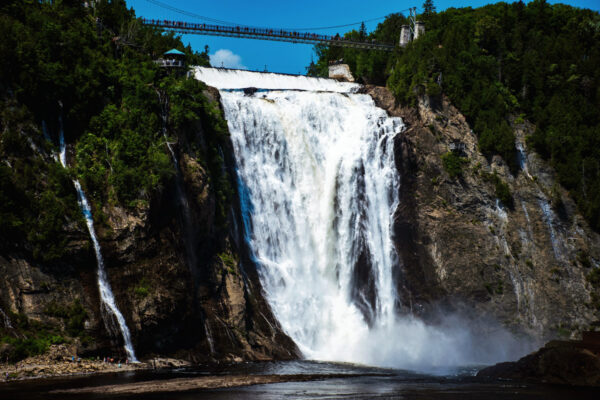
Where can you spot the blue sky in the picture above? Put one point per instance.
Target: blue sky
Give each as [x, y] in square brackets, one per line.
[286, 57]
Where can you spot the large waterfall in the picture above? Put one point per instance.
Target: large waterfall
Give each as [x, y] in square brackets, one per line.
[319, 187]
[106, 295]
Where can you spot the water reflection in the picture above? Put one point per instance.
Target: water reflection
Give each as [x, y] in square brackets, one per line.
[362, 383]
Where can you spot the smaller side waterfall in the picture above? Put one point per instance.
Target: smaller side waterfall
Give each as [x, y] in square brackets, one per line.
[550, 218]
[523, 159]
[547, 212]
[62, 146]
[5, 320]
[106, 294]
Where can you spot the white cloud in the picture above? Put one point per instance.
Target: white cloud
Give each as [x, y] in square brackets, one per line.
[226, 58]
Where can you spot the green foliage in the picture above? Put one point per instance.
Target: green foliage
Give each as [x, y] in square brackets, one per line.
[368, 66]
[34, 338]
[453, 163]
[228, 259]
[503, 193]
[556, 198]
[36, 198]
[190, 110]
[495, 287]
[143, 288]
[101, 72]
[105, 78]
[584, 259]
[428, 7]
[74, 316]
[536, 59]
[594, 278]
[502, 190]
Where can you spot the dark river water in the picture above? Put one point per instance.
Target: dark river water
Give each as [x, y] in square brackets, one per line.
[371, 383]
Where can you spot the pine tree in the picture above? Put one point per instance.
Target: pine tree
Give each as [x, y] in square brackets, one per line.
[428, 7]
[362, 32]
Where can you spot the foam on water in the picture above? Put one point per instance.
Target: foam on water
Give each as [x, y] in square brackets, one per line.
[238, 79]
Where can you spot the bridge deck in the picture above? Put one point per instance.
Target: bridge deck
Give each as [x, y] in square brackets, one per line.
[263, 34]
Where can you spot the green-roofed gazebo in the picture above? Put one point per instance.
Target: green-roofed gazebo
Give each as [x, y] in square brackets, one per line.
[172, 59]
[174, 52]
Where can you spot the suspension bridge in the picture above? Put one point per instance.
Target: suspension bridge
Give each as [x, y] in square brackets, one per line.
[248, 32]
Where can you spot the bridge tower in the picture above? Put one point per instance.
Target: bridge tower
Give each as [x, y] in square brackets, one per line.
[413, 30]
[404, 36]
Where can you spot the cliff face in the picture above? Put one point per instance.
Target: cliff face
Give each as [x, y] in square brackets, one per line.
[180, 275]
[187, 287]
[184, 278]
[523, 263]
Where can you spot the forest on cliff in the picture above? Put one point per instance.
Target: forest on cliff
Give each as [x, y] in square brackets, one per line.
[96, 73]
[499, 64]
[91, 71]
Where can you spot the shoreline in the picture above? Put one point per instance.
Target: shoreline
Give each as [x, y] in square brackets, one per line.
[199, 383]
[42, 367]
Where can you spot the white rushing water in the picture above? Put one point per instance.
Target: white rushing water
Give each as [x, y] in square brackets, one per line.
[522, 156]
[5, 320]
[318, 188]
[237, 79]
[106, 294]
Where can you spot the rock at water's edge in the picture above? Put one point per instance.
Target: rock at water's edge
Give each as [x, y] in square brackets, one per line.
[561, 362]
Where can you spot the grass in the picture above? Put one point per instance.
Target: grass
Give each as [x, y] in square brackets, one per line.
[229, 261]
[142, 289]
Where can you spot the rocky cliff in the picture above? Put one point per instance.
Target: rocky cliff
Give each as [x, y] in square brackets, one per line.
[179, 272]
[473, 235]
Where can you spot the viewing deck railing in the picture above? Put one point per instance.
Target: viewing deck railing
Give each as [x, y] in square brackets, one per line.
[166, 63]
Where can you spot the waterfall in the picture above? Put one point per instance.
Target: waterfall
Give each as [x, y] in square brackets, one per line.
[318, 188]
[522, 156]
[62, 154]
[106, 294]
[547, 212]
[236, 79]
[550, 219]
[5, 320]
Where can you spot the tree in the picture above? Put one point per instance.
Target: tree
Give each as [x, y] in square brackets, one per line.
[428, 7]
[312, 69]
[362, 32]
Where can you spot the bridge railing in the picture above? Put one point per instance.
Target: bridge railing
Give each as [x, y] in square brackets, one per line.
[257, 33]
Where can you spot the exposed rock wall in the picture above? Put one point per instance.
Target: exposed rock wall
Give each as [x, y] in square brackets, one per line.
[213, 310]
[524, 264]
[559, 362]
[210, 311]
